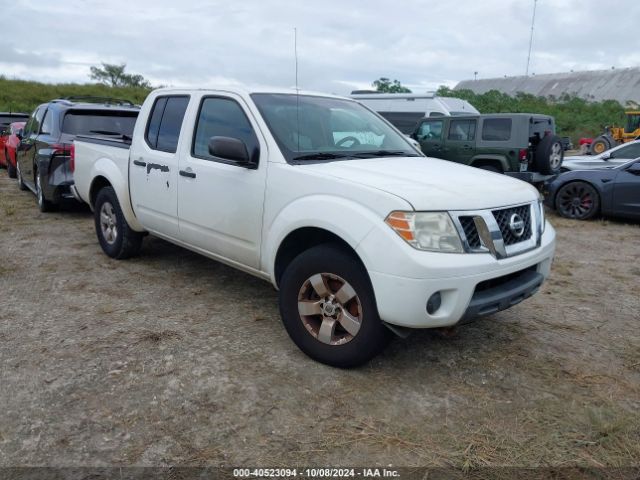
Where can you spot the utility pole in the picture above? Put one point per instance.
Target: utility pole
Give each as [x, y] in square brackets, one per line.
[533, 21]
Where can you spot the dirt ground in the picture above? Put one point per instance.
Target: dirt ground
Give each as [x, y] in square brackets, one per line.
[173, 359]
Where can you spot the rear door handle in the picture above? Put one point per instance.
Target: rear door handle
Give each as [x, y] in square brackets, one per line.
[140, 163]
[187, 173]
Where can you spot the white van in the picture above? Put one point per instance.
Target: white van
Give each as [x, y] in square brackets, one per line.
[404, 110]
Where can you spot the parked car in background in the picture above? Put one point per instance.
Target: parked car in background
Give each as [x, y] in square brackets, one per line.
[328, 202]
[405, 110]
[583, 194]
[567, 144]
[45, 155]
[6, 119]
[611, 158]
[10, 147]
[518, 144]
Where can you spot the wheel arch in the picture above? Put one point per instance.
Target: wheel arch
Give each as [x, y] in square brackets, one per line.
[303, 239]
[495, 161]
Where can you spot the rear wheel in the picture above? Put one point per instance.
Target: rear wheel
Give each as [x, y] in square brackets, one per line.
[116, 237]
[43, 204]
[577, 200]
[549, 155]
[328, 308]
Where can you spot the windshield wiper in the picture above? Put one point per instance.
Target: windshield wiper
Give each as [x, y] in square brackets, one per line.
[385, 153]
[321, 156]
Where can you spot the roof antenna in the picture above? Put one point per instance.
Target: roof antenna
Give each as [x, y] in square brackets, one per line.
[533, 21]
[295, 54]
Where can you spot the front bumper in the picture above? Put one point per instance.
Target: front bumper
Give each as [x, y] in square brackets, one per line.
[470, 284]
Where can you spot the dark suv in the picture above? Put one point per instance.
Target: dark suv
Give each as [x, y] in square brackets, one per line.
[45, 155]
[519, 144]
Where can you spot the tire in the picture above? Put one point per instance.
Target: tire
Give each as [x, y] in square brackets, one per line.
[320, 334]
[600, 144]
[11, 170]
[577, 200]
[21, 184]
[549, 155]
[116, 237]
[43, 204]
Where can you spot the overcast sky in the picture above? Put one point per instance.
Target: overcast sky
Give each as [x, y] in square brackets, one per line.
[342, 44]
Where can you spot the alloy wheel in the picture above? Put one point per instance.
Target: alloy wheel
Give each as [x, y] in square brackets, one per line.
[108, 223]
[330, 309]
[556, 156]
[576, 201]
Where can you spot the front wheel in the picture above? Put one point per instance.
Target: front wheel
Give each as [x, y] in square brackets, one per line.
[21, 184]
[328, 308]
[117, 239]
[578, 200]
[11, 170]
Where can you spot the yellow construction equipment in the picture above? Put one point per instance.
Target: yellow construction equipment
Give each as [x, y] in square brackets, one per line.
[616, 135]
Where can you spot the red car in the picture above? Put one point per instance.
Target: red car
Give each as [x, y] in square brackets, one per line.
[9, 142]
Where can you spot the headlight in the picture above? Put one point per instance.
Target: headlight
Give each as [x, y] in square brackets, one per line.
[433, 231]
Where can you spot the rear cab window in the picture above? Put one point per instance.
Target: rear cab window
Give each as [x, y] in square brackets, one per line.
[99, 122]
[165, 122]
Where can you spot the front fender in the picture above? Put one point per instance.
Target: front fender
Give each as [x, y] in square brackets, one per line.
[345, 218]
[105, 168]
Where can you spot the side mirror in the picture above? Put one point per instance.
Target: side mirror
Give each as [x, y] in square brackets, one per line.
[634, 169]
[232, 149]
[605, 156]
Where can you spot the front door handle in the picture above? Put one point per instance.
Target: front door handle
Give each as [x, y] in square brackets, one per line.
[140, 163]
[187, 173]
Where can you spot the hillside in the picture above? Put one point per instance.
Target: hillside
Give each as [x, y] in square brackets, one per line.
[24, 96]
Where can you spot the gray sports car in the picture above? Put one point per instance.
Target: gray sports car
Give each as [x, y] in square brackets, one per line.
[582, 194]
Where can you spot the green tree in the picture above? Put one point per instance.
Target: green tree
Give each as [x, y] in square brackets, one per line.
[385, 85]
[115, 76]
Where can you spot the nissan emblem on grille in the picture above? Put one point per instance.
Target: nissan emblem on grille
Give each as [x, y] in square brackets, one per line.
[516, 225]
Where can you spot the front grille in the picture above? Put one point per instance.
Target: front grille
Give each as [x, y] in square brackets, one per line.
[503, 217]
[471, 232]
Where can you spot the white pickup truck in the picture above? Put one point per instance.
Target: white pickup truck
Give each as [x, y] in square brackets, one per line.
[361, 233]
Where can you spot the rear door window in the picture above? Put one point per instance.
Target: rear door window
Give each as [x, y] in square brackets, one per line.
[165, 123]
[462, 130]
[496, 129]
[47, 124]
[34, 122]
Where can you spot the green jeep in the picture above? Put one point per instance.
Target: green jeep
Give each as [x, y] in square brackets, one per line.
[522, 145]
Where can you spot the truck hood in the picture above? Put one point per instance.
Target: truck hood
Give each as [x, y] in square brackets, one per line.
[431, 184]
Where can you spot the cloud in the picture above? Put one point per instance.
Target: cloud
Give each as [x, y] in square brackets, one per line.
[341, 45]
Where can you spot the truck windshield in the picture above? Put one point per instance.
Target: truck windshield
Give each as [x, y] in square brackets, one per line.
[80, 122]
[309, 128]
